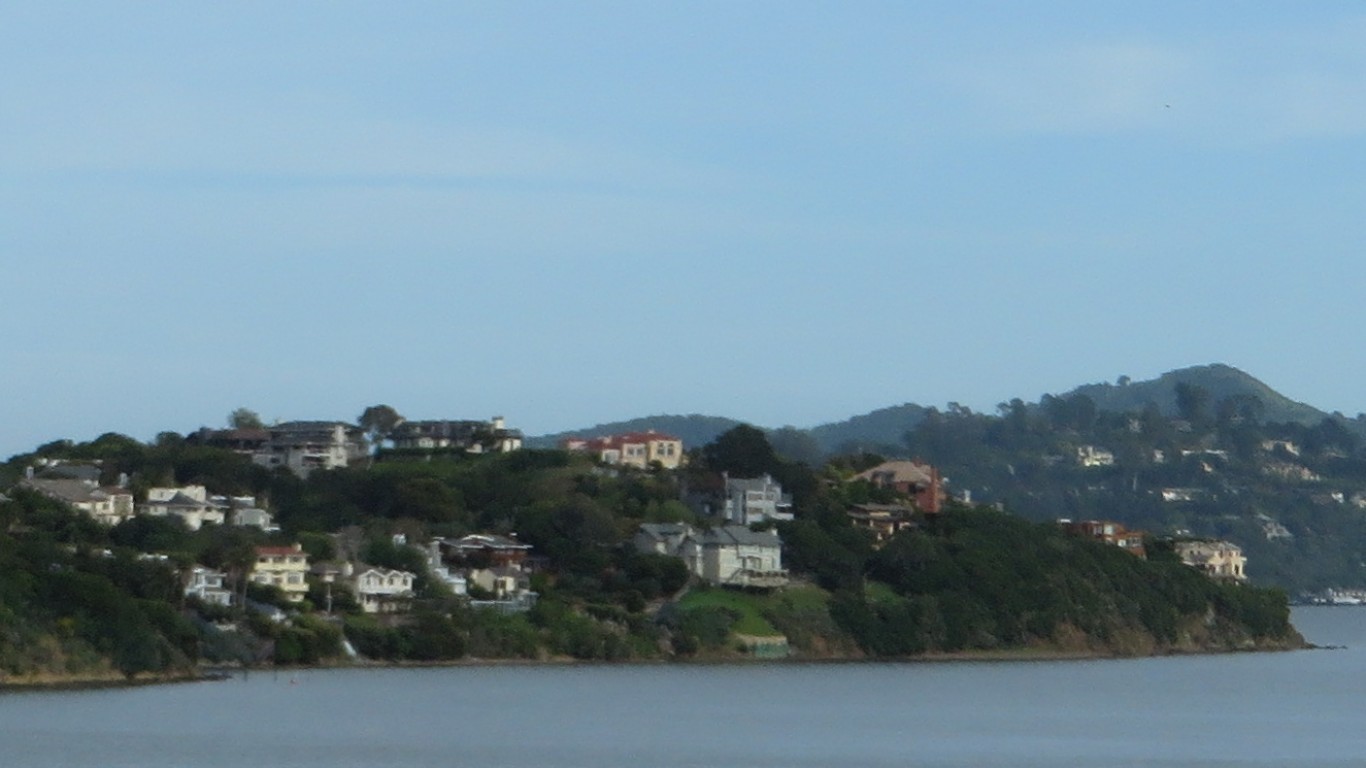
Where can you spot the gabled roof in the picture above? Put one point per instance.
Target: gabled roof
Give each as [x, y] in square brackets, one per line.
[737, 535]
[899, 471]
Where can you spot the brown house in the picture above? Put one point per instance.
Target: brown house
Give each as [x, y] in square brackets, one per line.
[1114, 534]
[914, 479]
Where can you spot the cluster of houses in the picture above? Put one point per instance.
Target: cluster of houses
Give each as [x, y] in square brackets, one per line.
[497, 566]
[304, 447]
[732, 548]
[1216, 559]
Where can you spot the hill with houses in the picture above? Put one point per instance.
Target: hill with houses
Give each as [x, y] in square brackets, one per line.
[387, 540]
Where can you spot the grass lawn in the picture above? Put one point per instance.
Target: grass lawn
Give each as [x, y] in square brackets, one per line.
[749, 607]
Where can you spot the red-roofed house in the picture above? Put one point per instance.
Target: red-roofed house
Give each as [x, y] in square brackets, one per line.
[915, 479]
[634, 449]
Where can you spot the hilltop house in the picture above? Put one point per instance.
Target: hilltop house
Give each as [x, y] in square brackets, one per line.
[305, 446]
[190, 503]
[283, 567]
[107, 505]
[1218, 559]
[914, 479]
[491, 436]
[633, 449]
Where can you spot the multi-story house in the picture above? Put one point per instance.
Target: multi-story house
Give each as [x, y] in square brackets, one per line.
[728, 555]
[306, 446]
[382, 590]
[107, 505]
[754, 500]
[1218, 559]
[207, 585]
[633, 449]
[884, 520]
[283, 567]
[190, 503]
[491, 436]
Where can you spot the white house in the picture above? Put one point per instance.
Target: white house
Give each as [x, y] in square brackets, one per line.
[207, 585]
[381, 590]
[305, 446]
[190, 503]
[733, 555]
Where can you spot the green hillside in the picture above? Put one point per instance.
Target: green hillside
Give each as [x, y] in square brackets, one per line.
[1220, 381]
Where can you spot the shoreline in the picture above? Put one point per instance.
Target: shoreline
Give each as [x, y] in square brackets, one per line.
[219, 673]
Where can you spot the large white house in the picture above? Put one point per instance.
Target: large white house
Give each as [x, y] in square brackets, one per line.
[729, 555]
[305, 446]
[190, 503]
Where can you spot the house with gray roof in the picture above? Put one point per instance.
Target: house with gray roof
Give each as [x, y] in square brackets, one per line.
[733, 555]
[107, 505]
[191, 504]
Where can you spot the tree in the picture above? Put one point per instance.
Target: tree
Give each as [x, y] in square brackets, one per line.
[379, 421]
[245, 418]
[1192, 402]
[742, 451]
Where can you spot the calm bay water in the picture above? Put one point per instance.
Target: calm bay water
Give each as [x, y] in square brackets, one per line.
[1285, 709]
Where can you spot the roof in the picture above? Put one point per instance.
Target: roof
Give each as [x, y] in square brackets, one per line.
[72, 491]
[665, 530]
[294, 550]
[900, 471]
[606, 442]
[487, 541]
[737, 535]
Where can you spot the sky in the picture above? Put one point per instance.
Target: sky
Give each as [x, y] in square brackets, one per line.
[786, 213]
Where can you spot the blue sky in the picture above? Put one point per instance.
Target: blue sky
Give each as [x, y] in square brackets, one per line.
[787, 213]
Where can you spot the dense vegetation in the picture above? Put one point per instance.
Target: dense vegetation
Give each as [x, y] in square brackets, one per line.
[79, 598]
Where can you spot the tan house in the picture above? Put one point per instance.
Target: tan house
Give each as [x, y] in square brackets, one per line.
[1217, 559]
[283, 567]
[884, 520]
[107, 505]
[633, 449]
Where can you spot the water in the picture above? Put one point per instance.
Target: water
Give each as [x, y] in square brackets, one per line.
[1288, 709]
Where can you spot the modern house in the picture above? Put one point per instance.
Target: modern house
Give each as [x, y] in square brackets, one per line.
[915, 480]
[1217, 559]
[206, 584]
[107, 505]
[303, 447]
[633, 449]
[190, 503]
[491, 436]
[283, 567]
[754, 500]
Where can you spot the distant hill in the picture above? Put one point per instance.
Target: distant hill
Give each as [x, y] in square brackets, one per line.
[884, 429]
[693, 429]
[1219, 380]
[873, 431]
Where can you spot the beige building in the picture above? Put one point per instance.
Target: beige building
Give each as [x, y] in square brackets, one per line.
[283, 567]
[1218, 559]
[633, 449]
[107, 505]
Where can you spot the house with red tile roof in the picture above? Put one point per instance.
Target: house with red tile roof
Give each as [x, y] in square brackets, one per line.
[632, 449]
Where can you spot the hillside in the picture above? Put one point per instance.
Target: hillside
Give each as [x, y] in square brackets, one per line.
[1220, 381]
[693, 429]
